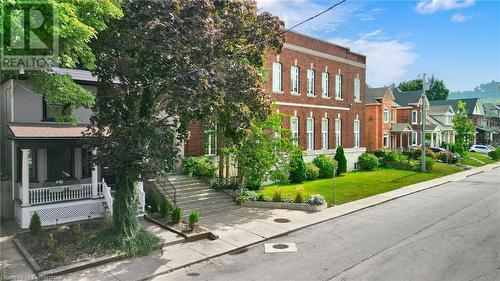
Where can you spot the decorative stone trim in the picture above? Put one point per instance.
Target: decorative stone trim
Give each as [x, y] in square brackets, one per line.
[282, 205]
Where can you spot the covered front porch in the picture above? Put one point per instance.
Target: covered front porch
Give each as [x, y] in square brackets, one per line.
[400, 136]
[53, 177]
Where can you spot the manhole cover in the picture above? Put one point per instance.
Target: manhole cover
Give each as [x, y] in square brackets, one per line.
[193, 274]
[281, 220]
[280, 246]
[239, 251]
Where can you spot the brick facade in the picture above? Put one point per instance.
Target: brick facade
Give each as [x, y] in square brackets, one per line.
[309, 53]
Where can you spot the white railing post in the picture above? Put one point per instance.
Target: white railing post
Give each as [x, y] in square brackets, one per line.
[94, 177]
[141, 195]
[25, 177]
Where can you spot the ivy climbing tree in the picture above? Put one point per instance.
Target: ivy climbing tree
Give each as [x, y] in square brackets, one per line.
[164, 65]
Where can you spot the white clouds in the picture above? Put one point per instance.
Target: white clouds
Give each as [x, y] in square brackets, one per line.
[459, 17]
[431, 6]
[387, 60]
[294, 11]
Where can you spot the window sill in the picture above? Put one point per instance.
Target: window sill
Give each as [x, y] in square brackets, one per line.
[357, 101]
[339, 99]
[326, 97]
[294, 94]
[278, 92]
[311, 96]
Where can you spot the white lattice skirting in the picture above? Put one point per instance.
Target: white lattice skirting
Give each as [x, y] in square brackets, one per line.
[58, 213]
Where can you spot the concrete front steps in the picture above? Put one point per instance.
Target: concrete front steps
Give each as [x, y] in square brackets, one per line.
[195, 194]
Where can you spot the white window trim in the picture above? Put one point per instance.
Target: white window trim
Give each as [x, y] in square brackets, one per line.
[393, 116]
[414, 120]
[357, 90]
[338, 87]
[414, 138]
[324, 133]
[294, 77]
[386, 117]
[310, 133]
[277, 74]
[324, 84]
[212, 142]
[356, 133]
[338, 132]
[385, 139]
[295, 131]
[310, 82]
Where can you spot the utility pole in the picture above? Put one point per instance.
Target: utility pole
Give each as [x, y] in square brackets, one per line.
[423, 108]
[334, 172]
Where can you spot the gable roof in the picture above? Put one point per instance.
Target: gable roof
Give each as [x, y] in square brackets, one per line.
[491, 110]
[440, 109]
[470, 104]
[374, 94]
[406, 97]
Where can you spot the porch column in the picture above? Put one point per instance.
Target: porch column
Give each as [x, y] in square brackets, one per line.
[25, 176]
[94, 177]
[432, 140]
[408, 137]
[401, 140]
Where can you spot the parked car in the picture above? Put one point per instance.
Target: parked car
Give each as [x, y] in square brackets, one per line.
[480, 148]
[454, 157]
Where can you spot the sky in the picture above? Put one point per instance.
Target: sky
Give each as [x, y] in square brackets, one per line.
[457, 41]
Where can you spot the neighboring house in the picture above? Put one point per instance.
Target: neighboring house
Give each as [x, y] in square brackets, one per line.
[409, 112]
[320, 87]
[492, 114]
[383, 129]
[476, 113]
[44, 164]
[440, 121]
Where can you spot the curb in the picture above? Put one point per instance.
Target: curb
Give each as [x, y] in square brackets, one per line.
[483, 169]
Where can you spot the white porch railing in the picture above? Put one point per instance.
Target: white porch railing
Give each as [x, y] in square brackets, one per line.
[106, 192]
[62, 193]
[141, 196]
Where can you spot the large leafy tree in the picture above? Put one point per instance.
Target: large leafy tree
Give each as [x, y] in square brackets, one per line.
[464, 128]
[166, 64]
[77, 23]
[437, 91]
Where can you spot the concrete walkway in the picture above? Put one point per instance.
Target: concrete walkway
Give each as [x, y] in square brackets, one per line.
[241, 228]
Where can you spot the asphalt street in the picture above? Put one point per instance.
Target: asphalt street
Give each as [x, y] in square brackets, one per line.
[450, 232]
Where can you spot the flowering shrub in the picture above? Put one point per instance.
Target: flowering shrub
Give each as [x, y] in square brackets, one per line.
[316, 200]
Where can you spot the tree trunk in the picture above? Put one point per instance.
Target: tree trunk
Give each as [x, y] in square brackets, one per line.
[125, 206]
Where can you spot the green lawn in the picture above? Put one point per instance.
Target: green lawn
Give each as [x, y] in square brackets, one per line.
[360, 184]
[466, 160]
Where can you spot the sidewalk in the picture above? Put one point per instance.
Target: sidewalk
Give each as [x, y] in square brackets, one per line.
[241, 228]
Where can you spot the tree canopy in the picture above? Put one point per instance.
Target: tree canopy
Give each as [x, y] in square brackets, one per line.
[463, 127]
[77, 23]
[437, 91]
[166, 64]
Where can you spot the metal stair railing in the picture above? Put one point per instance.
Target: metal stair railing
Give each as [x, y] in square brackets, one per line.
[161, 185]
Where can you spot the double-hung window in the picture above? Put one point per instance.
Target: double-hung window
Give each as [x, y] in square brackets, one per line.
[338, 132]
[310, 82]
[338, 86]
[356, 133]
[386, 139]
[310, 133]
[210, 141]
[386, 115]
[357, 89]
[294, 127]
[276, 77]
[324, 133]
[414, 136]
[414, 117]
[294, 72]
[393, 116]
[324, 84]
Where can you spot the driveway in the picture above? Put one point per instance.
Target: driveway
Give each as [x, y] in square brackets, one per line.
[450, 232]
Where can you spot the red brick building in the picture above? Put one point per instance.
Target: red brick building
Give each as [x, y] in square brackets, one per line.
[320, 88]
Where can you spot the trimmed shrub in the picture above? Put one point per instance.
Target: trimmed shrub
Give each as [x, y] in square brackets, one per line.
[176, 215]
[368, 161]
[277, 197]
[299, 197]
[316, 200]
[164, 208]
[429, 163]
[199, 166]
[35, 224]
[495, 154]
[326, 165]
[188, 165]
[312, 172]
[194, 218]
[391, 156]
[341, 160]
[298, 169]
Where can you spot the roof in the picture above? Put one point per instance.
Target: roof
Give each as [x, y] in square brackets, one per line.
[373, 95]
[401, 127]
[439, 125]
[491, 110]
[470, 103]
[406, 97]
[46, 130]
[439, 109]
